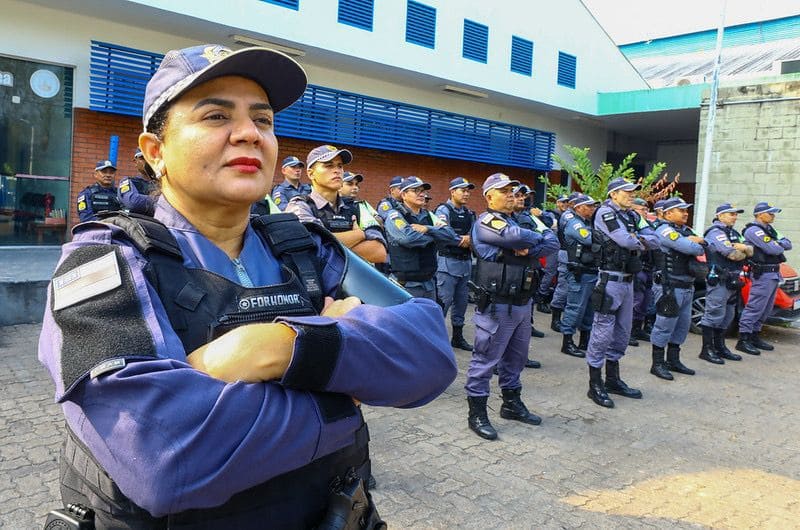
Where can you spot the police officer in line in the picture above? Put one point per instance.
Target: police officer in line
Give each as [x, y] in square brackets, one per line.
[455, 258]
[292, 170]
[616, 233]
[581, 277]
[187, 404]
[413, 233]
[768, 254]
[324, 206]
[136, 194]
[679, 269]
[100, 196]
[506, 282]
[545, 291]
[391, 201]
[726, 253]
[351, 186]
[655, 288]
[643, 281]
[559, 299]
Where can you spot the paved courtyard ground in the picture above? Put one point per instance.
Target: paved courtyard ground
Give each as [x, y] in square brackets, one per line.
[720, 449]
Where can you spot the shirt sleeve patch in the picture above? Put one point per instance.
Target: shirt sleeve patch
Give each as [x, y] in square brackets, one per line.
[583, 232]
[497, 224]
[85, 281]
[125, 187]
[673, 235]
[400, 223]
[722, 237]
[759, 232]
[611, 221]
[767, 239]
[385, 206]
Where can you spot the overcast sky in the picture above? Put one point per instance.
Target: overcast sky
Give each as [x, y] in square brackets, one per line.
[636, 20]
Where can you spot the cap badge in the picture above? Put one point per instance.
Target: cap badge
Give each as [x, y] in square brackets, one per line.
[213, 54]
[330, 148]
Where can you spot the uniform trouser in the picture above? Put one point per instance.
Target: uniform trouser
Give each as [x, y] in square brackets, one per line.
[655, 292]
[611, 331]
[759, 304]
[453, 292]
[720, 306]
[578, 312]
[502, 338]
[559, 300]
[673, 330]
[641, 294]
[419, 291]
[549, 273]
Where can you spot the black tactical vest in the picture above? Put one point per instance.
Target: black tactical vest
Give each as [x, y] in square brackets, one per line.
[510, 279]
[202, 305]
[103, 199]
[461, 222]
[612, 256]
[761, 258]
[719, 260]
[335, 222]
[586, 257]
[416, 264]
[677, 263]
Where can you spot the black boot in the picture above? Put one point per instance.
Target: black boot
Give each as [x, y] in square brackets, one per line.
[543, 307]
[708, 352]
[746, 345]
[583, 344]
[555, 321]
[597, 391]
[659, 368]
[720, 349]
[514, 409]
[632, 341]
[532, 363]
[615, 385]
[674, 360]
[759, 343]
[458, 340]
[478, 421]
[649, 321]
[637, 331]
[568, 347]
[536, 333]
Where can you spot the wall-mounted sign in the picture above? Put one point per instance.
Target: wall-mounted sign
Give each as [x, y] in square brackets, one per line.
[45, 83]
[6, 79]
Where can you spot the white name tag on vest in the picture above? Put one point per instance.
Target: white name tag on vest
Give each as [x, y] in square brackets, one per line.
[90, 279]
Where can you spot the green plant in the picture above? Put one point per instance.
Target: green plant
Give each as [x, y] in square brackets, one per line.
[657, 186]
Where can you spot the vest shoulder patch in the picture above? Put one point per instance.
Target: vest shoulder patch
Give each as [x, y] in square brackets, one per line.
[85, 281]
[494, 223]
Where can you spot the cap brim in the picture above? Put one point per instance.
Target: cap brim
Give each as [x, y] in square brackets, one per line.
[682, 206]
[770, 210]
[283, 80]
[501, 184]
[424, 186]
[627, 187]
[469, 185]
[294, 164]
[730, 210]
[101, 168]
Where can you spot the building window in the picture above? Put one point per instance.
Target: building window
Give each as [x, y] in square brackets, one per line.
[566, 69]
[291, 4]
[521, 56]
[118, 78]
[357, 13]
[421, 24]
[35, 151]
[476, 41]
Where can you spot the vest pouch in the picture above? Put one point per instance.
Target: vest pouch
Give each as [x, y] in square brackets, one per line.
[667, 306]
[489, 275]
[698, 269]
[634, 262]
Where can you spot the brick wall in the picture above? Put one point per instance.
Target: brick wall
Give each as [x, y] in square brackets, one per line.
[756, 153]
[92, 131]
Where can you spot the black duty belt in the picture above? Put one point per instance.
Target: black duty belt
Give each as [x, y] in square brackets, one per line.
[679, 284]
[614, 277]
[762, 268]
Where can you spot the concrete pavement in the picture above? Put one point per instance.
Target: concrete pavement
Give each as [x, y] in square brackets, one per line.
[720, 449]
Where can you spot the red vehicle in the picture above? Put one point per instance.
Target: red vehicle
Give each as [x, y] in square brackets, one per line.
[787, 301]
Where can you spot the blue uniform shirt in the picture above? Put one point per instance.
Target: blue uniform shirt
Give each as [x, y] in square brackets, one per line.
[718, 241]
[174, 438]
[135, 195]
[757, 236]
[284, 192]
[495, 231]
[85, 203]
[386, 204]
[452, 266]
[670, 239]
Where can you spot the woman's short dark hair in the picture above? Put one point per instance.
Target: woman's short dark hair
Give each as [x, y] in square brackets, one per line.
[158, 122]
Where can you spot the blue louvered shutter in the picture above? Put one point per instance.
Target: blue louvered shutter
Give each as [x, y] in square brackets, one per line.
[476, 41]
[337, 117]
[357, 13]
[521, 56]
[421, 24]
[291, 4]
[566, 69]
[118, 77]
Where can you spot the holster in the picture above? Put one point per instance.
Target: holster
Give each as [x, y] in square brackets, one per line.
[601, 302]
[667, 305]
[350, 507]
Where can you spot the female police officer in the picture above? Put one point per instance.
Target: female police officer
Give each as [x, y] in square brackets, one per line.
[170, 422]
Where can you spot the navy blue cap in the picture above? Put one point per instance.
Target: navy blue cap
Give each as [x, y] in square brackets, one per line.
[639, 201]
[574, 195]
[727, 207]
[675, 202]
[396, 181]
[620, 184]
[765, 207]
[562, 198]
[138, 154]
[347, 177]
[292, 161]
[585, 199]
[283, 80]
[497, 180]
[413, 182]
[325, 153]
[522, 188]
[461, 182]
[659, 205]
[102, 164]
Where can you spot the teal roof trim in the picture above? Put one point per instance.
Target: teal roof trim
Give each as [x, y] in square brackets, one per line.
[739, 35]
[669, 98]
